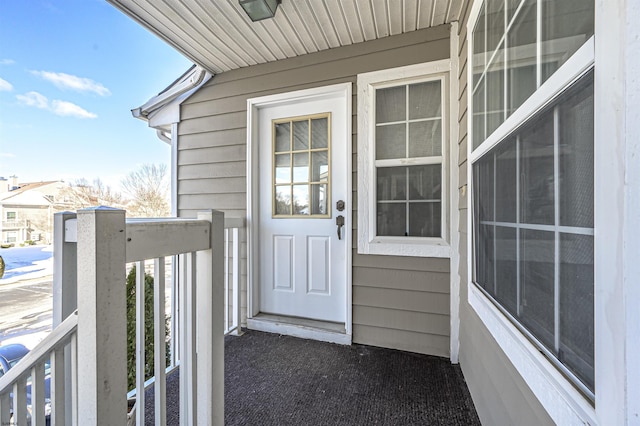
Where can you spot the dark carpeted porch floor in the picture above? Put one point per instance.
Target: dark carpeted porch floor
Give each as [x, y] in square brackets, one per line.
[281, 380]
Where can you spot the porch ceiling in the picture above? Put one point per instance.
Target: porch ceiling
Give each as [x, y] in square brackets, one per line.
[218, 35]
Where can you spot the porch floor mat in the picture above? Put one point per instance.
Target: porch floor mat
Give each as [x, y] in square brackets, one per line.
[272, 379]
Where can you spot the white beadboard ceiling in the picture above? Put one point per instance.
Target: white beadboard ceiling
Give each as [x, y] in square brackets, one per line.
[218, 35]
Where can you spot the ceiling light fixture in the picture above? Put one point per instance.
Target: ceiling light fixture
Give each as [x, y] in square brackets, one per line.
[260, 9]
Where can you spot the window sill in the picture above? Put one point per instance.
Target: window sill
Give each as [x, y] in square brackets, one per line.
[559, 398]
[407, 246]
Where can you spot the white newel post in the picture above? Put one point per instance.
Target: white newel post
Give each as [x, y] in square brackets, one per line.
[65, 301]
[102, 317]
[210, 324]
[64, 268]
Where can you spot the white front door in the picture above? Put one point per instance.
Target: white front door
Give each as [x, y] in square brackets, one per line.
[303, 155]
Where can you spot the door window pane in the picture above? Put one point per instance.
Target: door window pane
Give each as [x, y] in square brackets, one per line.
[319, 166]
[301, 167]
[319, 199]
[283, 137]
[300, 135]
[320, 133]
[301, 199]
[283, 168]
[283, 200]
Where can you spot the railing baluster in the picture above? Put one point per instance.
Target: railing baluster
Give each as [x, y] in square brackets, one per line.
[20, 401]
[227, 323]
[175, 310]
[5, 408]
[37, 395]
[57, 388]
[140, 342]
[159, 344]
[237, 299]
[73, 354]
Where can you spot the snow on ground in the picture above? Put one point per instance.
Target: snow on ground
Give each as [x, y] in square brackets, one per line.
[23, 263]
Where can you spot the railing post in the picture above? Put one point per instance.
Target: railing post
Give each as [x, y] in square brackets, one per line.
[210, 324]
[65, 300]
[64, 269]
[102, 318]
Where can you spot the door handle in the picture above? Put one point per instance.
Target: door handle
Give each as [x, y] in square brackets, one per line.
[340, 223]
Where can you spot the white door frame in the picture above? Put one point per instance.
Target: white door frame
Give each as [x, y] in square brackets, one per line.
[253, 205]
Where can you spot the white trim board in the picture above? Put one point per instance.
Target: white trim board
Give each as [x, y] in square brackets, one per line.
[344, 90]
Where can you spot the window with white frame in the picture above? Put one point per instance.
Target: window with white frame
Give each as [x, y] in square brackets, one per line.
[532, 157]
[11, 216]
[402, 169]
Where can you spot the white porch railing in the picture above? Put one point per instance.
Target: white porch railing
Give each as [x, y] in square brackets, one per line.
[205, 298]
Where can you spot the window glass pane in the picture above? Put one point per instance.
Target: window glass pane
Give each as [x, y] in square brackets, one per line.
[283, 168]
[537, 251]
[506, 268]
[522, 56]
[536, 171]
[484, 188]
[300, 135]
[301, 167]
[425, 182]
[495, 24]
[391, 104]
[391, 141]
[512, 6]
[425, 219]
[576, 305]
[479, 114]
[479, 46]
[392, 219]
[495, 92]
[283, 200]
[485, 257]
[319, 133]
[392, 183]
[319, 166]
[283, 137]
[576, 158]
[566, 25]
[425, 100]
[319, 199]
[301, 199]
[425, 138]
[506, 182]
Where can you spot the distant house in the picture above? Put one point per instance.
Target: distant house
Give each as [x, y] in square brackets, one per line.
[27, 210]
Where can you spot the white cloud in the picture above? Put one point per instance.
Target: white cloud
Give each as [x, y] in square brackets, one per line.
[65, 109]
[7, 62]
[5, 86]
[68, 81]
[34, 99]
[7, 155]
[61, 108]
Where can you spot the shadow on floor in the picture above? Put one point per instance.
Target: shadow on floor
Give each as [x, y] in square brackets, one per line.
[281, 380]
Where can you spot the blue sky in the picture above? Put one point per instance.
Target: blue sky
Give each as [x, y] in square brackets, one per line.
[70, 72]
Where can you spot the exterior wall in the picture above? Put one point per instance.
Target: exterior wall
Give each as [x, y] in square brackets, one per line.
[499, 393]
[398, 302]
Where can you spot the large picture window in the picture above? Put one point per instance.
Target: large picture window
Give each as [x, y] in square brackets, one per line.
[532, 174]
[402, 151]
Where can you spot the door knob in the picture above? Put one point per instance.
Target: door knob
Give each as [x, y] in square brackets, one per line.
[340, 223]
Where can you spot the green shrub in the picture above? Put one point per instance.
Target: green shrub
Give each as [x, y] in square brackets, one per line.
[148, 329]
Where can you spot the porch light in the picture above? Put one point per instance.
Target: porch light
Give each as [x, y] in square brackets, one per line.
[260, 9]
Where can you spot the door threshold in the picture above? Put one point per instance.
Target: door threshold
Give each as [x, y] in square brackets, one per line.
[304, 328]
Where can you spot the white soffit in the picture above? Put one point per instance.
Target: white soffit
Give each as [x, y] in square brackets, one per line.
[218, 35]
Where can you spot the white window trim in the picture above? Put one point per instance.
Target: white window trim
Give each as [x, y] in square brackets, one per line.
[368, 242]
[562, 401]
